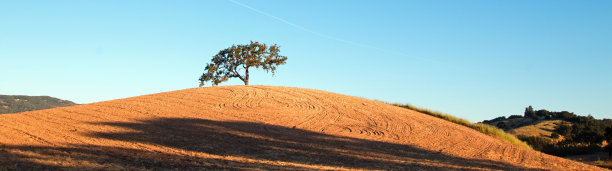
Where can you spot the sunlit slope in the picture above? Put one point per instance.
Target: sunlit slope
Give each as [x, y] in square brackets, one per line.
[542, 129]
[253, 127]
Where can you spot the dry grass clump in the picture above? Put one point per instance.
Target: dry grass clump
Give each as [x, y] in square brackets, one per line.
[484, 128]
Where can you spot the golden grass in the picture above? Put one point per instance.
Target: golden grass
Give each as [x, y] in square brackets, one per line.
[484, 128]
[542, 129]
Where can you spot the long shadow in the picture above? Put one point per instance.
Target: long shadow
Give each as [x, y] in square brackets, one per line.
[114, 158]
[249, 140]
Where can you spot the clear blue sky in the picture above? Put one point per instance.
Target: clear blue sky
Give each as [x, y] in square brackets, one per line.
[472, 59]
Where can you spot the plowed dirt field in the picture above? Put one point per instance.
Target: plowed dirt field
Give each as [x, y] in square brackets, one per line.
[250, 128]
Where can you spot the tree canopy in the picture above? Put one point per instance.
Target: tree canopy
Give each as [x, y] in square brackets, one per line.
[235, 61]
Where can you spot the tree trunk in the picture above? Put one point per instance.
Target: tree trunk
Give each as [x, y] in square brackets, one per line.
[246, 76]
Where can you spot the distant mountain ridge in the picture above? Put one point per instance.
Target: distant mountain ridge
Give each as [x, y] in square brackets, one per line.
[20, 103]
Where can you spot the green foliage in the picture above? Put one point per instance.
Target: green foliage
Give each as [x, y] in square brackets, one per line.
[608, 136]
[564, 129]
[235, 60]
[554, 135]
[543, 113]
[536, 142]
[586, 133]
[501, 118]
[562, 148]
[529, 113]
[583, 134]
[16, 104]
[484, 128]
[501, 125]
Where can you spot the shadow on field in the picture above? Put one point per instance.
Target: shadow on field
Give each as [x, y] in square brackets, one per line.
[249, 140]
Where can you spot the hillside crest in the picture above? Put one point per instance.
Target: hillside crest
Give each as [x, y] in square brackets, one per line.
[253, 127]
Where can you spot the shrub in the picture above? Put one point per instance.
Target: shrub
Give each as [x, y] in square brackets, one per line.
[536, 142]
[501, 118]
[563, 148]
[554, 135]
[564, 129]
[502, 125]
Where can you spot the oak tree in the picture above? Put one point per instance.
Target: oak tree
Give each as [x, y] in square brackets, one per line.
[235, 61]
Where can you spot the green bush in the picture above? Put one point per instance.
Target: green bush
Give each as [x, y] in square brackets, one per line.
[563, 148]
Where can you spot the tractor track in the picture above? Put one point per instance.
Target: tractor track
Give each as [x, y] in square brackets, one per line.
[253, 128]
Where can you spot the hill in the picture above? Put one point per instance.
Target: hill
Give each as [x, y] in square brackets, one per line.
[563, 134]
[558, 133]
[16, 104]
[254, 127]
[544, 129]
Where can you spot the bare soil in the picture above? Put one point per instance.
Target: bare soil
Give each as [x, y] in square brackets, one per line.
[254, 128]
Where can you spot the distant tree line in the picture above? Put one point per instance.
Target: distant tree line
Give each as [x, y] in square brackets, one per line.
[561, 148]
[543, 114]
[583, 134]
[16, 104]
